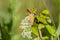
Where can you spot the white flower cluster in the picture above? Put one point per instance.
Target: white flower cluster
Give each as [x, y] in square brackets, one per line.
[25, 26]
[27, 34]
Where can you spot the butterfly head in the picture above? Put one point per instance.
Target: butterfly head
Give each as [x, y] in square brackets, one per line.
[31, 13]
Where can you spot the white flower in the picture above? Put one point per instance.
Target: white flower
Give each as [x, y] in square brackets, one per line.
[29, 35]
[26, 34]
[23, 27]
[26, 25]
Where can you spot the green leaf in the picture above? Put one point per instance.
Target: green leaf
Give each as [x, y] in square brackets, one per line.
[45, 12]
[34, 31]
[40, 26]
[45, 37]
[41, 19]
[51, 30]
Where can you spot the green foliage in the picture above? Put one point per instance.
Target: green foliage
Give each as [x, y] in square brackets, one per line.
[41, 19]
[45, 38]
[40, 26]
[45, 12]
[43, 23]
[34, 31]
[51, 30]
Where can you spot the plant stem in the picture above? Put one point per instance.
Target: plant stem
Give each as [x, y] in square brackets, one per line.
[58, 37]
[40, 33]
[52, 38]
